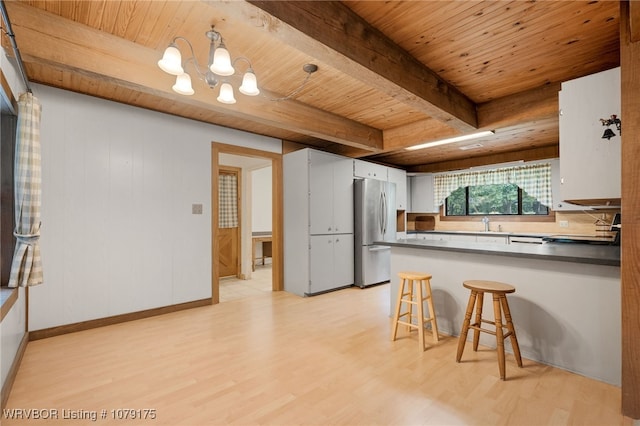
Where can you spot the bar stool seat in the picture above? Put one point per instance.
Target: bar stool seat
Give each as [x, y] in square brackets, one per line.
[411, 293]
[500, 306]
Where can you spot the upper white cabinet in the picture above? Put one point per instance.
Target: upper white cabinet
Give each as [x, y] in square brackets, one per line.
[330, 193]
[558, 202]
[399, 177]
[589, 165]
[365, 169]
[421, 193]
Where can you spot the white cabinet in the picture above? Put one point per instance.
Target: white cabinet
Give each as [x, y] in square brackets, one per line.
[589, 165]
[466, 238]
[365, 169]
[556, 194]
[329, 262]
[399, 177]
[330, 194]
[421, 193]
[492, 239]
[428, 236]
[440, 237]
[318, 218]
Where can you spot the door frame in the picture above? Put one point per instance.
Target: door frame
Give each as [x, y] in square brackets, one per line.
[237, 171]
[277, 224]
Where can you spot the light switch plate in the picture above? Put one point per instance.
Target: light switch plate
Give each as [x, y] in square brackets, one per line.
[196, 208]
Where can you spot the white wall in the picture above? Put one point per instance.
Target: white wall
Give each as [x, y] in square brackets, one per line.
[261, 200]
[118, 235]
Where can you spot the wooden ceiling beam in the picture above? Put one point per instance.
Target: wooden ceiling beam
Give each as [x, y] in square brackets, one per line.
[529, 106]
[533, 154]
[335, 35]
[416, 133]
[401, 137]
[348, 151]
[526, 107]
[49, 39]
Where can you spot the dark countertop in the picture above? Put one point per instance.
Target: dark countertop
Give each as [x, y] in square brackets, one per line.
[604, 239]
[496, 233]
[578, 253]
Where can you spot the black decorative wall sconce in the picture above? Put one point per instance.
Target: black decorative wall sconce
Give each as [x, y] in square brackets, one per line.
[608, 133]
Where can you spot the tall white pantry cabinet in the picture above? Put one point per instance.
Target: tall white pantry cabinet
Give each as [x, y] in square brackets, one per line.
[318, 211]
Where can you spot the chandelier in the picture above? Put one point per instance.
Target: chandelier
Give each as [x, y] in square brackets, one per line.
[220, 65]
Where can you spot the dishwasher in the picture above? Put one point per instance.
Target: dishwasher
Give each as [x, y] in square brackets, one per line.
[525, 239]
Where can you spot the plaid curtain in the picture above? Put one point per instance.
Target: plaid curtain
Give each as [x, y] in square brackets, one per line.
[534, 179]
[26, 269]
[227, 201]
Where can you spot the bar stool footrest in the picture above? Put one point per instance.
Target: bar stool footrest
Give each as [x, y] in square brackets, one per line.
[492, 332]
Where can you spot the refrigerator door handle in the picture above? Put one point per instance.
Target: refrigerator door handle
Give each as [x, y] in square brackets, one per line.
[379, 248]
[384, 213]
[384, 222]
[381, 214]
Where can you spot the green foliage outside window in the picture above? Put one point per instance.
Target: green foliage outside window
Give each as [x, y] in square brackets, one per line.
[456, 203]
[505, 199]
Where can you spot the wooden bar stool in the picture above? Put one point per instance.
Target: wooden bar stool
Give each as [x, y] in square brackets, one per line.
[415, 297]
[500, 306]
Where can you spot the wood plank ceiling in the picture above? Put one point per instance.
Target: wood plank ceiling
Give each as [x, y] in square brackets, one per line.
[391, 74]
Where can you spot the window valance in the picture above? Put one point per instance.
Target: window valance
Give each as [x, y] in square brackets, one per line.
[534, 179]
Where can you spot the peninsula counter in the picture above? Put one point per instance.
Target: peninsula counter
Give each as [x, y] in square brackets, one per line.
[566, 308]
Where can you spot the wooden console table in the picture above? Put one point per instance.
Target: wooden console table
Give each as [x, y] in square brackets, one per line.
[263, 238]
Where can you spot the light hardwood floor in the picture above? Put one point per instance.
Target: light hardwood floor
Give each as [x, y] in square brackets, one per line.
[235, 289]
[279, 359]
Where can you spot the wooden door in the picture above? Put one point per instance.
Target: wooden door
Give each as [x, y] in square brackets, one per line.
[228, 234]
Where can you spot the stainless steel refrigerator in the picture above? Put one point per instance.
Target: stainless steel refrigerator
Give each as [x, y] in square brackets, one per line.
[375, 220]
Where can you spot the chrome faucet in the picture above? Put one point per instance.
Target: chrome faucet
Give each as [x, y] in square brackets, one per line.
[485, 220]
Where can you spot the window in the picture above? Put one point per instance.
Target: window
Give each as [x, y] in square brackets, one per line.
[495, 199]
[7, 144]
[519, 193]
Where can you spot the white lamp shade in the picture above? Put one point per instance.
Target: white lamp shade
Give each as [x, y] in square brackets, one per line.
[222, 62]
[171, 61]
[183, 85]
[226, 94]
[249, 84]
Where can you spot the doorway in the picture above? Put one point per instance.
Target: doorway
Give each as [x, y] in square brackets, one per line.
[244, 241]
